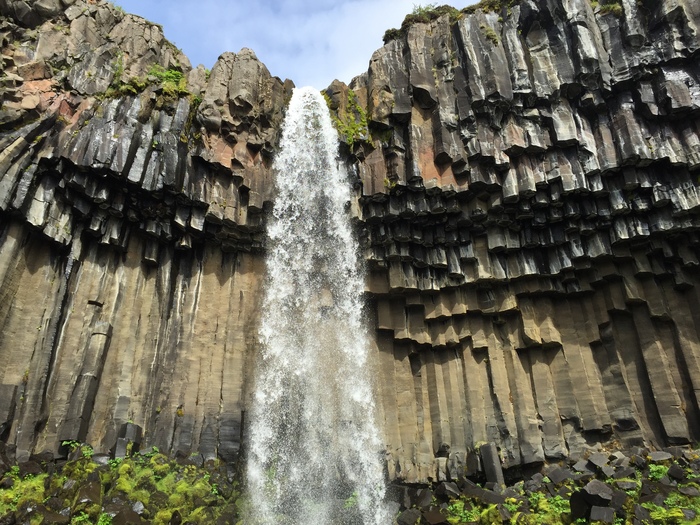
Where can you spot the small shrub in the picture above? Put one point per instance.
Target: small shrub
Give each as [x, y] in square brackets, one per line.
[613, 7]
[459, 512]
[656, 472]
[422, 15]
[70, 444]
[490, 34]
[105, 519]
[81, 519]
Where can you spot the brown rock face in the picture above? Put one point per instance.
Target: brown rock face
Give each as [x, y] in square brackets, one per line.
[530, 196]
[132, 230]
[527, 187]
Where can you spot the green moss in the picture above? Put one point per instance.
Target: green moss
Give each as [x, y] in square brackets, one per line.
[613, 7]
[168, 482]
[160, 465]
[27, 490]
[352, 123]
[200, 515]
[163, 517]
[125, 484]
[177, 500]
[490, 34]
[159, 483]
[125, 469]
[681, 501]
[662, 515]
[190, 491]
[421, 15]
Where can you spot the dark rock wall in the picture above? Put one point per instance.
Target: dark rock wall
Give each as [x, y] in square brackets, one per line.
[131, 226]
[531, 209]
[527, 193]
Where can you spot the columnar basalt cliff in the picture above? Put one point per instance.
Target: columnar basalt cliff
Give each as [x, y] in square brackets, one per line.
[530, 201]
[527, 194]
[132, 192]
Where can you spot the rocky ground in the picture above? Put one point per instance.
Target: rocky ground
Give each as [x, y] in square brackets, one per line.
[128, 487]
[87, 488]
[639, 487]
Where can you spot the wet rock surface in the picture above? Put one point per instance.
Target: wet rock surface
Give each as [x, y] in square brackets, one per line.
[526, 193]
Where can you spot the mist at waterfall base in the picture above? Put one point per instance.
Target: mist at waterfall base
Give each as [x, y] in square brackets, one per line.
[314, 448]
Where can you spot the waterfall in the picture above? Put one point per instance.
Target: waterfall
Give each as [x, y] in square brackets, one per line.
[315, 450]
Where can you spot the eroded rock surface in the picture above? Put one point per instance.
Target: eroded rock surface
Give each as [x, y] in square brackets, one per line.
[530, 201]
[132, 190]
[527, 189]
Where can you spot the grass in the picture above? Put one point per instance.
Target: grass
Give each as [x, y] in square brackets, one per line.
[171, 83]
[613, 7]
[422, 14]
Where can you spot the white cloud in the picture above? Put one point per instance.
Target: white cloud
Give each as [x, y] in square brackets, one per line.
[309, 41]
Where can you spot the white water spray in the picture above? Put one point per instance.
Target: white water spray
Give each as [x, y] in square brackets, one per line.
[314, 453]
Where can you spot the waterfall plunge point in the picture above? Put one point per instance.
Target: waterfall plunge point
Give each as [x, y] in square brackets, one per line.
[315, 450]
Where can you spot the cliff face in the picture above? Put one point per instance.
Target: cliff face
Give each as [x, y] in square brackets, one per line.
[527, 193]
[531, 208]
[132, 197]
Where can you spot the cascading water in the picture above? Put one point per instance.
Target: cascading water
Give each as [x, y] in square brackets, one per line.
[314, 454]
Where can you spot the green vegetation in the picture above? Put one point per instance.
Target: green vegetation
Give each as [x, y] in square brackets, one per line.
[170, 84]
[422, 14]
[28, 490]
[608, 6]
[539, 507]
[656, 472]
[352, 123]
[86, 519]
[351, 502]
[163, 486]
[492, 6]
[462, 511]
[490, 34]
[172, 81]
[429, 12]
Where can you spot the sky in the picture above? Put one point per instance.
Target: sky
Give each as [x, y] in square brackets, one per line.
[310, 42]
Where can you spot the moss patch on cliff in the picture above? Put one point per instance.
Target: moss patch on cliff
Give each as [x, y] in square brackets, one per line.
[169, 84]
[613, 7]
[421, 15]
[351, 123]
